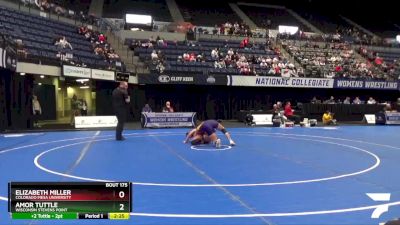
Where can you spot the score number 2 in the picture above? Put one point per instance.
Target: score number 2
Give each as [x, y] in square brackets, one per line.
[121, 195]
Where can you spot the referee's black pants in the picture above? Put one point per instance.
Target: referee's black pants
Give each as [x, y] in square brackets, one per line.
[121, 116]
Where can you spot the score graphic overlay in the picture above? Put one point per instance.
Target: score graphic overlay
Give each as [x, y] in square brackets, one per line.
[70, 200]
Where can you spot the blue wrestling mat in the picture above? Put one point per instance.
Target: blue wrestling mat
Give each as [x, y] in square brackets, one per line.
[294, 176]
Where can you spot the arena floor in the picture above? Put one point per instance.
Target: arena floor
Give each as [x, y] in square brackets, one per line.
[296, 176]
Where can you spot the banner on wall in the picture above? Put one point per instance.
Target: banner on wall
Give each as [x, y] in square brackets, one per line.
[196, 79]
[164, 120]
[392, 118]
[7, 60]
[295, 82]
[366, 84]
[103, 74]
[95, 121]
[73, 71]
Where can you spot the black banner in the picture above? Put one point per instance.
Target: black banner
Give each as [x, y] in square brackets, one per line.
[193, 79]
[7, 59]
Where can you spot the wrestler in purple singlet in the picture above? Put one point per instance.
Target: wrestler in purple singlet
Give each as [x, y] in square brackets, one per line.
[209, 127]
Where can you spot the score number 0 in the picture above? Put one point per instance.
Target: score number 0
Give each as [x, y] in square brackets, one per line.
[121, 194]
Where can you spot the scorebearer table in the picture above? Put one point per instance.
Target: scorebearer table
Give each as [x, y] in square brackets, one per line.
[70, 200]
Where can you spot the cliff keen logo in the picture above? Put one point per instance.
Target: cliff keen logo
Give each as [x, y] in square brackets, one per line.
[164, 79]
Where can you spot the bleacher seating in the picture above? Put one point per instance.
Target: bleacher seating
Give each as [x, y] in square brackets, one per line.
[203, 14]
[156, 8]
[38, 35]
[381, 27]
[173, 52]
[332, 60]
[261, 16]
[387, 61]
[327, 22]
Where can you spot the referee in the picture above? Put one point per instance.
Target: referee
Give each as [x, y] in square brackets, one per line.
[121, 101]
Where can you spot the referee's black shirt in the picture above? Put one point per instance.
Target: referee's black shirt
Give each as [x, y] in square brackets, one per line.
[119, 95]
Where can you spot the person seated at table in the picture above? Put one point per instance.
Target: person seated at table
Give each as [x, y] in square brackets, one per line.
[347, 101]
[289, 113]
[387, 108]
[330, 101]
[327, 118]
[371, 101]
[146, 108]
[168, 108]
[357, 101]
[277, 114]
[314, 100]
[279, 106]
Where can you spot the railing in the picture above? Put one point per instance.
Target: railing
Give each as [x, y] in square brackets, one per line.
[69, 16]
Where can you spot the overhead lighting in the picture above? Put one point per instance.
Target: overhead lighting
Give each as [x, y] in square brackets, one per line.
[82, 80]
[42, 76]
[22, 74]
[84, 87]
[59, 89]
[40, 84]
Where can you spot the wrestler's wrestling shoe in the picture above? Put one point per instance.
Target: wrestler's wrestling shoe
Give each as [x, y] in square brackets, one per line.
[218, 143]
[232, 143]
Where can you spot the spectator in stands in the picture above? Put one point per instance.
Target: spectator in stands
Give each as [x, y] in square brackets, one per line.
[102, 48]
[112, 55]
[168, 108]
[289, 113]
[263, 63]
[186, 57]
[253, 71]
[230, 52]
[279, 105]
[44, 5]
[371, 101]
[102, 38]
[37, 110]
[347, 101]
[214, 54]
[63, 43]
[21, 50]
[357, 101]
[160, 66]
[327, 118]
[154, 56]
[152, 40]
[31, 2]
[192, 57]
[219, 64]
[59, 10]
